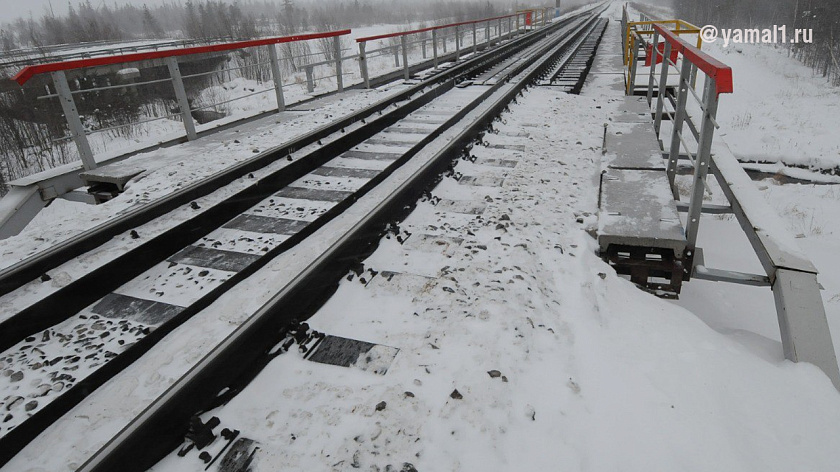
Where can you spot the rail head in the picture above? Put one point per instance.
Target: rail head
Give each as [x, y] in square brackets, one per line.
[716, 70]
[430, 28]
[28, 72]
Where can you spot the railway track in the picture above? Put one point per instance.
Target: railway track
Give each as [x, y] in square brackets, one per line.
[570, 72]
[83, 334]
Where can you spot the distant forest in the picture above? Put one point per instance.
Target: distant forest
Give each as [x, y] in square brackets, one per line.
[822, 16]
[206, 19]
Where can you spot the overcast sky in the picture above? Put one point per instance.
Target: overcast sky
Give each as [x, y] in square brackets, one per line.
[11, 9]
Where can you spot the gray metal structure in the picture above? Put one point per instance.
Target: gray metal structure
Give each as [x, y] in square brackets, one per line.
[74, 122]
[805, 334]
[181, 95]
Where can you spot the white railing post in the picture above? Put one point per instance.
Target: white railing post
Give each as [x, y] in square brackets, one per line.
[405, 56]
[457, 42]
[663, 88]
[631, 82]
[677, 125]
[434, 47]
[339, 74]
[363, 67]
[701, 161]
[653, 53]
[74, 122]
[310, 80]
[181, 95]
[275, 74]
[475, 37]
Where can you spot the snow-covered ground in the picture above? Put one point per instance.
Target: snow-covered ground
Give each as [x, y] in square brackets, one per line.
[521, 350]
[780, 111]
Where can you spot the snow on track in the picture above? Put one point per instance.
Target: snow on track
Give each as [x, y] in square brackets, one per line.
[519, 349]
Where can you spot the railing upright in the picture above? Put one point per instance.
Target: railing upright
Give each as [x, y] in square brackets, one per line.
[339, 74]
[677, 125]
[74, 122]
[181, 96]
[404, 43]
[636, 46]
[653, 52]
[275, 75]
[475, 38]
[701, 160]
[663, 87]
[363, 65]
[457, 42]
[434, 47]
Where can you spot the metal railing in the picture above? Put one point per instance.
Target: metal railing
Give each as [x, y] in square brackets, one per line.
[464, 38]
[107, 48]
[79, 132]
[793, 278]
[633, 41]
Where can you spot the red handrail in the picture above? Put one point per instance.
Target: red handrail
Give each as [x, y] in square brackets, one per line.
[28, 72]
[718, 71]
[423, 30]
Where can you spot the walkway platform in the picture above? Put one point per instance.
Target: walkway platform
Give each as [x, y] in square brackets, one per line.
[639, 229]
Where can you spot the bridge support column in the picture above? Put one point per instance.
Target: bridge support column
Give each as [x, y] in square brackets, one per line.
[404, 43]
[363, 66]
[802, 321]
[434, 47]
[475, 38]
[181, 95]
[275, 74]
[74, 122]
[310, 80]
[457, 42]
[339, 73]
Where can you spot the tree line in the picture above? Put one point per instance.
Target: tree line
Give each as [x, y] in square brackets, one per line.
[205, 19]
[821, 16]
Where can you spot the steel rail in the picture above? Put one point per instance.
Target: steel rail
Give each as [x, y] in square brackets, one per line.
[86, 290]
[160, 427]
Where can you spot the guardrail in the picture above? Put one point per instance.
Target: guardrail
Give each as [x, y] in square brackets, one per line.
[793, 278]
[48, 54]
[79, 133]
[632, 40]
[439, 38]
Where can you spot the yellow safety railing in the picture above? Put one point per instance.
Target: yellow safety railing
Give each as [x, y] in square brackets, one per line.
[637, 29]
[679, 27]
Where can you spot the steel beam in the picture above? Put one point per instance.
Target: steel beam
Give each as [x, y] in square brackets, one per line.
[805, 333]
[18, 208]
[181, 95]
